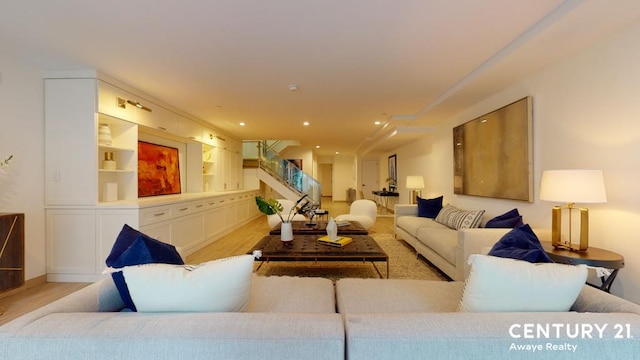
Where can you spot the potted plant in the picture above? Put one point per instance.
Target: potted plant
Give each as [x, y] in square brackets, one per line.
[273, 207]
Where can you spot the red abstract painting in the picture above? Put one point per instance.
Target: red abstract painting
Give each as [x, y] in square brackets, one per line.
[158, 170]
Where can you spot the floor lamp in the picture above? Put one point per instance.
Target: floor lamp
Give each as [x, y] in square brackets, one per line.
[415, 184]
[571, 186]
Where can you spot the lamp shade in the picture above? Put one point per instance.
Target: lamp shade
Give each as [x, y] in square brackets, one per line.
[415, 182]
[573, 186]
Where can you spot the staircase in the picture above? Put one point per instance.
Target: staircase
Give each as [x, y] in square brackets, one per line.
[280, 174]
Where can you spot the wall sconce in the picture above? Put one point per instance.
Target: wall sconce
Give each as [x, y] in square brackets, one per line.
[572, 186]
[415, 184]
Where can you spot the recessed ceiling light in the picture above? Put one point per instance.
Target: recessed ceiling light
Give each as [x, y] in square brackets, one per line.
[377, 123]
[317, 146]
[242, 124]
[306, 123]
[337, 152]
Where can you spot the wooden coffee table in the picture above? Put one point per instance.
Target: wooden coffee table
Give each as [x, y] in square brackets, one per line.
[306, 248]
[320, 228]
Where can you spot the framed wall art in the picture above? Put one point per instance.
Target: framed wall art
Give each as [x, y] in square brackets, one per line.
[158, 170]
[493, 154]
[392, 172]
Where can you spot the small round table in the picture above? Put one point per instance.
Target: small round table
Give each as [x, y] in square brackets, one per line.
[591, 257]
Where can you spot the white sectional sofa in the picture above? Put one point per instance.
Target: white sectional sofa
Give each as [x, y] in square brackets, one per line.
[305, 318]
[286, 318]
[418, 319]
[445, 248]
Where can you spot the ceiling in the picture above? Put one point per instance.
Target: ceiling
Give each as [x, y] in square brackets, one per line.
[406, 63]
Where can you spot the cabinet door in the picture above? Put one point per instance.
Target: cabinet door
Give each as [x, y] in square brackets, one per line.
[109, 224]
[161, 231]
[157, 117]
[188, 232]
[113, 101]
[189, 129]
[215, 222]
[70, 142]
[71, 242]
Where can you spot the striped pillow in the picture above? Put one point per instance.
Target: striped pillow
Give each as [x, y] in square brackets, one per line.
[456, 218]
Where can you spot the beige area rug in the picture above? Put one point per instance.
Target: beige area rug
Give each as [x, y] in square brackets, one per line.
[403, 264]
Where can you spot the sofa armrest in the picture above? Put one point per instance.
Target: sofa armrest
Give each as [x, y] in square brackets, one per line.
[101, 296]
[479, 241]
[594, 300]
[404, 210]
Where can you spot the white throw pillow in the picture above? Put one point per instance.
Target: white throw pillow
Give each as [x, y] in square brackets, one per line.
[506, 285]
[214, 286]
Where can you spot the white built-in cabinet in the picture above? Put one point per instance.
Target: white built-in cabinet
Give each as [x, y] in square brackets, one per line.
[81, 226]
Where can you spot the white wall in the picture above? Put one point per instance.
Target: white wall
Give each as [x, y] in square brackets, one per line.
[344, 176]
[22, 134]
[586, 115]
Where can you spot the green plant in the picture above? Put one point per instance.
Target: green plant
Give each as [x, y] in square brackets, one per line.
[272, 206]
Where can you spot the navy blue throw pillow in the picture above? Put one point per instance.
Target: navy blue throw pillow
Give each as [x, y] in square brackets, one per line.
[135, 248]
[510, 219]
[429, 208]
[521, 243]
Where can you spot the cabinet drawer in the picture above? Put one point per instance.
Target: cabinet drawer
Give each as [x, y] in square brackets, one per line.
[197, 206]
[155, 214]
[182, 209]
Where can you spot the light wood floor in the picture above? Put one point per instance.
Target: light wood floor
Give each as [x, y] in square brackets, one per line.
[235, 243]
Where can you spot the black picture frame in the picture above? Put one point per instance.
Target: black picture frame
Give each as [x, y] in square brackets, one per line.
[392, 172]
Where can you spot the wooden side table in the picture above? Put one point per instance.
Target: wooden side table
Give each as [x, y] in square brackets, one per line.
[592, 257]
[11, 251]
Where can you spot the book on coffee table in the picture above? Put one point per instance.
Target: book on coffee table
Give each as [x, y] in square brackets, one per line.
[339, 242]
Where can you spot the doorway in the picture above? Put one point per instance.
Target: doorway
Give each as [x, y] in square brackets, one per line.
[326, 179]
[370, 175]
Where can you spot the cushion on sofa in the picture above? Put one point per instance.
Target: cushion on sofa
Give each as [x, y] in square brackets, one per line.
[456, 218]
[135, 248]
[411, 224]
[520, 243]
[510, 219]
[443, 241]
[215, 286]
[429, 208]
[503, 285]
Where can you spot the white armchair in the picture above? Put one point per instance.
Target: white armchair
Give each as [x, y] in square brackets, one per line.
[362, 211]
[274, 219]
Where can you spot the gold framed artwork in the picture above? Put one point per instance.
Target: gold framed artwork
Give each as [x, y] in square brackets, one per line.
[493, 154]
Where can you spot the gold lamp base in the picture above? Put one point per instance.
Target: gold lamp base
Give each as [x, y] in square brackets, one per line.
[413, 194]
[556, 228]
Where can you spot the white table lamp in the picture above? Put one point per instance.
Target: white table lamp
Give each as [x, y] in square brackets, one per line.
[415, 184]
[572, 186]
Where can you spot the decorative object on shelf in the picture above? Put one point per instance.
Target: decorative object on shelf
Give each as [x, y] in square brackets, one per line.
[110, 192]
[104, 135]
[572, 186]
[158, 170]
[108, 163]
[415, 184]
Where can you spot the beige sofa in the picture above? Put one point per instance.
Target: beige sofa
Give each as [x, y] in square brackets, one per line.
[286, 318]
[445, 248]
[305, 318]
[419, 319]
